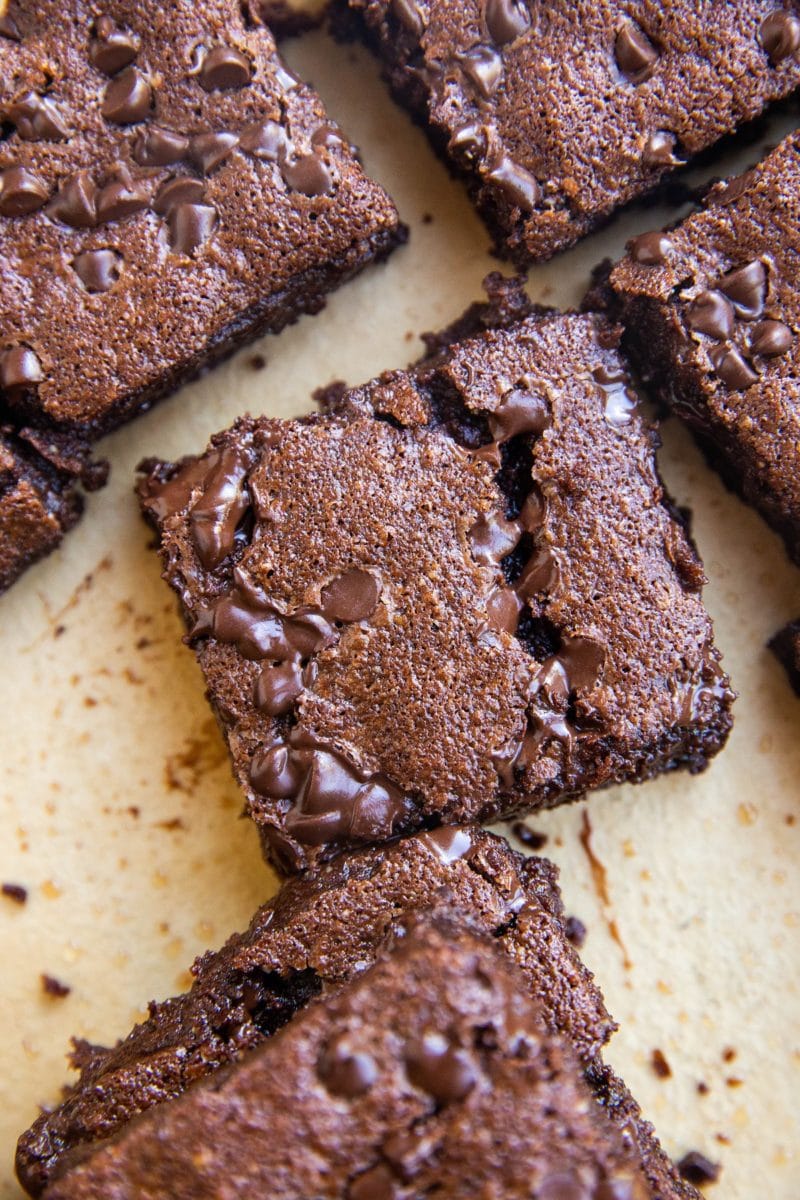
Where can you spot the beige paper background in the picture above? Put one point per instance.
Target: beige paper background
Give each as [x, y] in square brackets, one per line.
[118, 814]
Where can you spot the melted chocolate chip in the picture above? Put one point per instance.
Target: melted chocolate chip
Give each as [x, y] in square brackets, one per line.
[98, 270]
[520, 411]
[224, 67]
[732, 368]
[307, 174]
[264, 139]
[650, 249]
[470, 140]
[208, 150]
[620, 400]
[121, 199]
[222, 503]
[635, 53]
[351, 596]
[503, 609]
[712, 314]
[278, 687]
[409, 14]
[344, 1070]
[770, 338]
[540, 574]
[190, 225]
[21, 192]
[505, 20]
[483, 67]
[659, 150]
[583, 659]
[128, 98]
[448, 843]
[111, 49]
[37, 118]
[156, 146]
[746, 288]
[439, 1068]
[247, 619]
[492, 537]
[75, 202]
[780, 35]
[181, 189]
[519, 185]
[19, 369]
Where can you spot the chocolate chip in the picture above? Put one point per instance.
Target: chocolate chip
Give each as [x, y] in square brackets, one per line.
[409, 14]
[659, 150]
[448, 843]
[650, 249]
[278, 687]
[770, 338]
[224, 67]
[351, 596]
[520, 411]
[328, 137]
[528, 837]
[712, 314]
[515, 181]
[208, 150]
[563, 1186]
[470, 140]
[128, 98]
[540, 574]
[505, 20]
[660, 1065]
[15, 892]
[21, 192]
[583, 659]
[575, 931]
[344, 1070]
[439, 1068]
[9, 28]
[98, 270]
[780, 34]
[111, 48]
[307, 174]
[75, 202]
[620, 400]
[635, 53]
[732, 368]
[273, 772]
[121, 199]
[483, 67]
[375, 1184]
[19, 369]
[618, 1189]
[156, 146]
[180, 189]
[492, 537]
[36, 118]
[695, 1168]
[54, 987]
[503, 608]
[190, 225]
[224, 499]
[264, 139]
[746, 288]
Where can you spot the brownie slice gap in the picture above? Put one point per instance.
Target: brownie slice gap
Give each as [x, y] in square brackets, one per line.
[712, 314]
[317, 933]
[556, 114]
[785, 645]
[456, 595]
[466, 1092]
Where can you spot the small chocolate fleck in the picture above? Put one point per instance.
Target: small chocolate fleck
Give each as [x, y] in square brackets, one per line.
[732, 368]
[746, 288]
[21, 192]
[770, 338]
[660, 1065]
[307, 174]
[505, 20]
[15, 892]
[128, 98]
[635, 53]
[208, 150]
[712, 314]
[75, 202]
[156, 146]
[575, 931]
[529, 837]
[190, 225]
[344, 1070]
[351, 596]
[54, 987]
[650, 249]
[19, 369]
[659, 150]
[695, 1168]
[439, 1068]
[780, 35]
[224, 67]
[111, 48]
[98, 270]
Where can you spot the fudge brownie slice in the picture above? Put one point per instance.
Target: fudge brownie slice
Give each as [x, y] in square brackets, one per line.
[456, 595]
[318, 932]
[466, 1092]
[168, 190]
[786, 647]
[558, 113]
[712, 314]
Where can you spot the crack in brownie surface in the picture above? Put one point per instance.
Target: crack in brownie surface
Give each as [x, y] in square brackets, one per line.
[410, 701]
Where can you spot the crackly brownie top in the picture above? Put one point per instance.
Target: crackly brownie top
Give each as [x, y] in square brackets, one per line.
[726, 279]
[318, 932]
[160, 172]
[567, 109]
[444, 597]
[464, 1084]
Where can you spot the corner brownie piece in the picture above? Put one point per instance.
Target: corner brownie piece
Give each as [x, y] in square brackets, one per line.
[558, 113]
[319, 932]
[456, 595]
[786, 647]
[712, 314]
[465, 1092]
[168, 189]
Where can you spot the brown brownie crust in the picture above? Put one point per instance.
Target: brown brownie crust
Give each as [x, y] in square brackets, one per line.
[558, 113]
[712, 313]
[465, 1085]
[524, 621]
[117, 283]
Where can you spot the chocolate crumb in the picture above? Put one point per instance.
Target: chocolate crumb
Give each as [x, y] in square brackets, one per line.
[660, 1065]
[427, 218]
[15, 892]
[59, 630]
[575, 931]
[728, 1054]
[256, 362]
[134, 810]
[695, 1168]
[703, 1088]
[54, 987]
[529, 837]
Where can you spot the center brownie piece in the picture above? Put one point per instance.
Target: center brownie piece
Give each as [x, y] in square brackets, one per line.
[456, 595]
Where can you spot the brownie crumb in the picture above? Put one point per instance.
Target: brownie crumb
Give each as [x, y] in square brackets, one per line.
[427, 218]
[15, 892]
[256, 362]
[728, 1054]
[54, 987]
[660, 1065]
[733, 1081]
[529, 837]
[695, 1168]
[703, 1088]
[575, 931]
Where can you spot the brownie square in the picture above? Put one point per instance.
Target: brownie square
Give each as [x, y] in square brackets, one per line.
[456, 595]
[465, 1085]
[168, 190]
[319, 933]
[712, 311]
[786, 647]
[556, 114]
